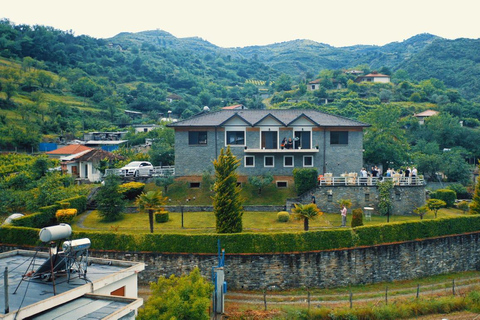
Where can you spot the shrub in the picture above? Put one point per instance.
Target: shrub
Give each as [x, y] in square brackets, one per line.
[446, 195]
[305, 179]
[131, 190]
[283, 216]
[161, 216]
[460, 190]
[357, 217]
[463, 205]
[65, 215]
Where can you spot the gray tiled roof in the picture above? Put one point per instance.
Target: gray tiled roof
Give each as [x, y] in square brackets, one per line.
[286, 116]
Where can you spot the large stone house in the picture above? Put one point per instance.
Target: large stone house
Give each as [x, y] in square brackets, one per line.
[329, 143]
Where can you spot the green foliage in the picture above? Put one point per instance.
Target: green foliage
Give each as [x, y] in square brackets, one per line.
[305, 179]
[357, 218]
[385, 201]
[283, 216]
[435, 205]
[260, 242]
[227, 205]
[344, 202]
[463, 205]
[475, 205]
[306, 212]
[460, 190]
[446, 195]
[110, 203]
[164, 181]
[149, 202]
[421, 211]
[183, 298]
[161, 216]
[131, 190]
[260, 181]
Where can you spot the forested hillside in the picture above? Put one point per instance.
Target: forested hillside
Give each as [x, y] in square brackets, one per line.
[55, 86]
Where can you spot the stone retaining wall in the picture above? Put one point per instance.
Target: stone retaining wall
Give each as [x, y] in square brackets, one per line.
[323, 269]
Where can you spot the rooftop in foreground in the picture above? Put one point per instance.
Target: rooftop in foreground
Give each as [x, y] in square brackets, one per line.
[109, 289]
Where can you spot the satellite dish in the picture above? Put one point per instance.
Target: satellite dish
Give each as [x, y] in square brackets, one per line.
[206, 109]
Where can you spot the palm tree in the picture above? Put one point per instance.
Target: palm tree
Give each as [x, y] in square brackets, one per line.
[149, 202]
[306, 212]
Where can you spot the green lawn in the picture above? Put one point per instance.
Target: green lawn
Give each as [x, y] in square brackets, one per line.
[204, 222]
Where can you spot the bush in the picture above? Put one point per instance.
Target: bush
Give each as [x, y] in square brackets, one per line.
[447, 195]
[65, 215]
[357, 217]
[460, 190]
[463, 205]
[161, 216]
[305, 179]
[283, 216]
[131, 190]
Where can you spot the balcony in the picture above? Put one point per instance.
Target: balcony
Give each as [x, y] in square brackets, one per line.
[281, 151]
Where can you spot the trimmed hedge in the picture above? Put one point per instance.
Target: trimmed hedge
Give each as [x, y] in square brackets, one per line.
[161, 216]
[447, 195]
[46, 216]
[261, 242]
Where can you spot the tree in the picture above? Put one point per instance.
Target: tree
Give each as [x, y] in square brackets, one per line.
[181, 298]
[421, 211]
[385, 203]
[384, 140]
[357, 218]
[435, 205]
[227, 204]
[165, 181]
[149, 202]
[260, 182]
[306, 212]
[475, 205]
[110, 203]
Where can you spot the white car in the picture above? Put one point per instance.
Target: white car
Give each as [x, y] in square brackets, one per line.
[137, 168]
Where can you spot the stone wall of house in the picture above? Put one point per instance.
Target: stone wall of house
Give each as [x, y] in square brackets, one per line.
[322, 269]
[405, 198]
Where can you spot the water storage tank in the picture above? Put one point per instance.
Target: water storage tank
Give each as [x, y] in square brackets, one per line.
[76, 245]
[61, 231]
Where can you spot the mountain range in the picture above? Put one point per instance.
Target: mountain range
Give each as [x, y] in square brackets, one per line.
[424, 56]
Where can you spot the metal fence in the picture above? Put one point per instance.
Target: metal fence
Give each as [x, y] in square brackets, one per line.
[157, 171]
[369, 181]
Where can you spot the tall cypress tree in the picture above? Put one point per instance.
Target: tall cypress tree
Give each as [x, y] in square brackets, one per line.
[475, 205]
[227, 204]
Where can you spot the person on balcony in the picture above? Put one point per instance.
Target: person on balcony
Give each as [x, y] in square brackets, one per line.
[289, 144]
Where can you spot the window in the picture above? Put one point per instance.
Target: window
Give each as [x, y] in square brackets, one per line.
[282, 184]
[288, 161]
[195, 185]
[269, 161]
[308, 161]
[197, 137]
[235, 138]
[249, 161]
[339, 137]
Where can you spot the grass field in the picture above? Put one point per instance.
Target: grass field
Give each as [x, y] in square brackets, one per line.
[204, 222]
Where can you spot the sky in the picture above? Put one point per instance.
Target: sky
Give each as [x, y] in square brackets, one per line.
[241, 23]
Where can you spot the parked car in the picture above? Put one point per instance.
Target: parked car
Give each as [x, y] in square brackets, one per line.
[137, 168]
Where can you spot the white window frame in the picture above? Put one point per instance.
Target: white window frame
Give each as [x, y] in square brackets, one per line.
[293, 162]
[245, 161]
[276, 129]
[265, 161]
[305, 166]
[281, 181]
[303, 129]
[230, 129]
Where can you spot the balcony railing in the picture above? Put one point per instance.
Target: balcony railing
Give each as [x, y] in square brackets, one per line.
[369, 181]
[157, 171]
[263, 150]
